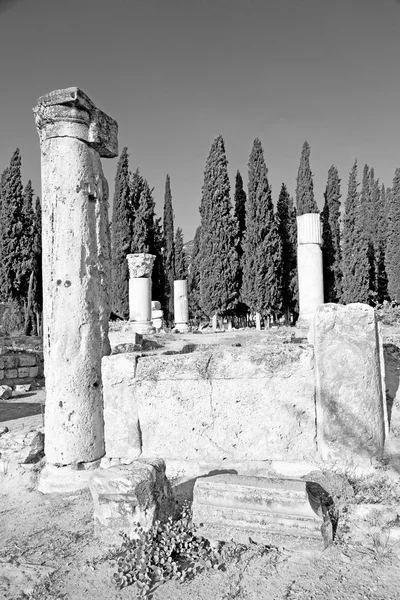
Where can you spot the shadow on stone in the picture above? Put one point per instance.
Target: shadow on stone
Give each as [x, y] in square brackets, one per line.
[16, 410]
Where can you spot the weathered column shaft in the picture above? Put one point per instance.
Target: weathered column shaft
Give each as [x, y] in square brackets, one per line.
[76, 271]
[181, 307]
[309, 266]
[140, 268]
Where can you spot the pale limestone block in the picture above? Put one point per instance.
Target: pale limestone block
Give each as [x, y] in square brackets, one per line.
[74, 134]
[126, 496]
[157, 314]
[155, 305]
[350, 411]
[140, 267]
[181, 307]
[309, 267]
[5, 392]
[33, 371]
[23, 372]
[121, 423]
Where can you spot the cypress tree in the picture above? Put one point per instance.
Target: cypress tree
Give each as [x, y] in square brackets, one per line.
[180, 263]
[287, 228]
[349, 220]
[37, 278]
[331, 249]
[195, 311]
[240, 215]
[393, 240]
[28, 258]
[380, 246]
[362, 264]
[305, 201]
[143, 227]
[169, 252]
[218, 260]
[12, 239]
[121, 235]
[262, 258]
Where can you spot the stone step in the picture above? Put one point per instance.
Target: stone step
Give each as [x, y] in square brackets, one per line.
[271, 510]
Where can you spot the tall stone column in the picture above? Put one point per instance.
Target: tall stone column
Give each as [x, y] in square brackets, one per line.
[74, 135]
[309, 267]
[140, 268]
[181, 308]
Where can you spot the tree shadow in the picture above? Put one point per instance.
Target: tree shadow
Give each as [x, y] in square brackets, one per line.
[18, 410]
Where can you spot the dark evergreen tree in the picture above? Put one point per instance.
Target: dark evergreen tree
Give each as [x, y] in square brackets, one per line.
[143, 227]
[262, 258]
[240, 215]
[349, 227]
[305, 201]
[169, 251]
[180, 262]
[369, 199]
[11, 243]
[362, 264]
[218, 260]
[393, 241]
[37, 278]
[27, 258]
[331, 249]
[195, 310]
[121, 236]
[380, 248]
[287, 228]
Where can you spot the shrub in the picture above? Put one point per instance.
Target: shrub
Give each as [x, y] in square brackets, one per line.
[388, 314]
[168, 550]
[13, 319]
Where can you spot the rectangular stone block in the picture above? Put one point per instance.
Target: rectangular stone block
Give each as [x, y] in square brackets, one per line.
[273, 507]
[29, 360]
[349, 374]
[23, 372]
[1, 373]
[10, 373]
[228, 404]
[33, 371]
[10, 361]
[121, 425]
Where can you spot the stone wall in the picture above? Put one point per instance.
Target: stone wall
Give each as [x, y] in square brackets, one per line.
[224, 404]
[21, 360]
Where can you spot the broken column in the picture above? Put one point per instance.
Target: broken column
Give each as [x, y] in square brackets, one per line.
[181, 308]
[350, 403]
[309, 267]
[140, 268]
[74, 134]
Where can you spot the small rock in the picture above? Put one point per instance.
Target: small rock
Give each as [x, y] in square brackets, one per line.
[21, 389]
[5, 392]
[3, 429]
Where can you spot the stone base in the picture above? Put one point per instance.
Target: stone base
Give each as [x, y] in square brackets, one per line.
[142, 327]
[273, 511]
[182, 327]
[66, 479]
[304, 321]
[129, 495]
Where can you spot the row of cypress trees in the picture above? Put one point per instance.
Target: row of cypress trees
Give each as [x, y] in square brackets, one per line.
[20, 245]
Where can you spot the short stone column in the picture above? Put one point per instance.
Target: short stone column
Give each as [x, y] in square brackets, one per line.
[309, 267]
[74, 135]
[181, 308]
[140, 268]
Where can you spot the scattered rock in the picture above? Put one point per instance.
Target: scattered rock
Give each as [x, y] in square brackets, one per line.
[5, 392]
[22, 389]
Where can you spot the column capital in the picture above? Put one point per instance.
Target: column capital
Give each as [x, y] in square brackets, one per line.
[140, 265]
[71, 113]
[309, 229]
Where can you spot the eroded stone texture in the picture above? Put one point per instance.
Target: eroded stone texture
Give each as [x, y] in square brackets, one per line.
[392, 378]
[129, 495]
[140, 268]
[278, 509]
[228, 403]
[76, 270]
[350, 411]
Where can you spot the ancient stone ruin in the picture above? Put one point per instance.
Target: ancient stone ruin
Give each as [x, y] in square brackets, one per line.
[259, 416]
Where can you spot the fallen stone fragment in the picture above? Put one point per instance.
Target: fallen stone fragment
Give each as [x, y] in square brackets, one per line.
[272, 511]
[22, 389]
[22, 447]
[127, 495]
[5, 392]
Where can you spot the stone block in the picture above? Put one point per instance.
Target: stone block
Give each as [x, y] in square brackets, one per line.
[1, 373]
[11, 373]
[22, 447]
[34, 371]
[22, 389]
[127, 495]
[157, 323]
[228, 404]
[155, 305]
[121, 424]
[266, 509]
[5, 392]
[392, 378]
[10, 361]
[349, 395]
[23, 372]
[28, 360]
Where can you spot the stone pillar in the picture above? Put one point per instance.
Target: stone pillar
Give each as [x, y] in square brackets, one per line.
[309, 267]
[140, 268]
[74, 135]
[181, 308]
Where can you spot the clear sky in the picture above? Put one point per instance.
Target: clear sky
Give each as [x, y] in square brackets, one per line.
[176, 73]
